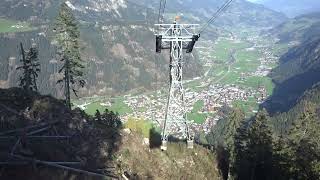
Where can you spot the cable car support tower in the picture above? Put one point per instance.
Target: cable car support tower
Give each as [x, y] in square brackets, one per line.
[176, 38]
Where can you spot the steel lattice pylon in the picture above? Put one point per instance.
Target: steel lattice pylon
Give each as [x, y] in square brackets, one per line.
[176, 37]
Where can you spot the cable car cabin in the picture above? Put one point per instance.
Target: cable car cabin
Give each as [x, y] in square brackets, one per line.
[191, 44]
[158, 43]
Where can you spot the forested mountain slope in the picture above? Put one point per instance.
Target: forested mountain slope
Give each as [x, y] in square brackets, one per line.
[117, 39]
[117, 45]
[299, 67]
[298, 29]
[283, 122]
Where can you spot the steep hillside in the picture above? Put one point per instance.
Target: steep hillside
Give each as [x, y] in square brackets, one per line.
[298, 72]
[299, 68]
[74, 137]
[178, 162]
[118, 41]
[298, 29]
[90, 144]
[283, 122]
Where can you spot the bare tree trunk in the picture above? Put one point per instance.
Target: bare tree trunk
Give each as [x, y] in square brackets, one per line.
[67, 83]
[27, 85]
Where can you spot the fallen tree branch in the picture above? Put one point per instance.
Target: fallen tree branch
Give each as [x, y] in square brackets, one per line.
[39, 130]
[36, 137]
[14, 163]
[53, 164]
[30, 127]
[28, 162]
[10, 110]
[15, 146]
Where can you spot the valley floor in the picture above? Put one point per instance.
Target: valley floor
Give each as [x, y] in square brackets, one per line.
[236, 69]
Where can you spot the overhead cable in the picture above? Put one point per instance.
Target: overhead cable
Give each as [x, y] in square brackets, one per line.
[225, 6]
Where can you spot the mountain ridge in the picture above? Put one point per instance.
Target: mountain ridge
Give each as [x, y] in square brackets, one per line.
[293, 7]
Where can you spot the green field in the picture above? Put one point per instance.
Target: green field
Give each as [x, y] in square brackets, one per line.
[140, 125]
[117, 106]
[224, 48]
[93, 107]
[198, 106]
[194, 115]
[13, 26]
[247, 106]
[193, 85]
[257, 81]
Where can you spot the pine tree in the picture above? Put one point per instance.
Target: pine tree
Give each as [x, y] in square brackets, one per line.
[253, 149]
[240, 164]
[235, 119]
[282, 153]
[298, 155]
[30, 67]
[67, 36]
[97, 116]
[223, 133]
[222, 137]
[307, 124]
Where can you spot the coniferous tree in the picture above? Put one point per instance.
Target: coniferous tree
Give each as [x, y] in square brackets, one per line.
[67, 36]
[222, 138]
[109, 119]
[97, 115]
[253, 150]
[30, 68]
[241, 163]
[298, 155]
[223, 133]
[307, 124]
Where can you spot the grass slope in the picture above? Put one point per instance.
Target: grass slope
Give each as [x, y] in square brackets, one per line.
[117, 105]
[195, 114]
[13, 26]
[177, 162]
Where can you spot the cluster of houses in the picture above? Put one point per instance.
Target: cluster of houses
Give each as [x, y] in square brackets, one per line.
[215, 96]
[153, 107]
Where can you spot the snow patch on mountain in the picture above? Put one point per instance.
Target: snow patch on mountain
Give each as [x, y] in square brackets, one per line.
[70, 5]
[106, 5]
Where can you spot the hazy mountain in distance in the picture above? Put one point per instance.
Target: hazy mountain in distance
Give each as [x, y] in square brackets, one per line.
[240, 13]
[291, 8]
[298, 29]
